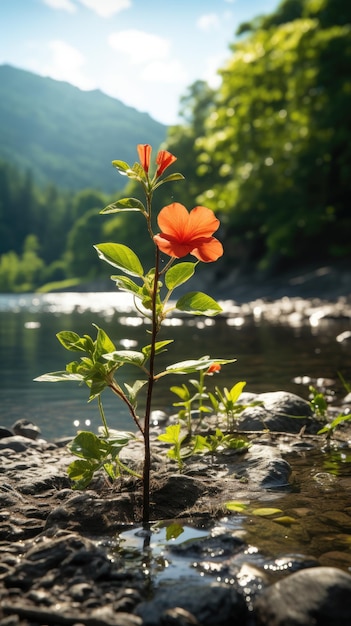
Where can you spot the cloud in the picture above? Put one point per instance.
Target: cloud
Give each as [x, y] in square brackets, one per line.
[208, 22]
[106, 8]
[103, 8]
[65, 5]
[66, 63]
[139, 46]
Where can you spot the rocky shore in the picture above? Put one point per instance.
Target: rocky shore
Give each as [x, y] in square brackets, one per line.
[82, 558]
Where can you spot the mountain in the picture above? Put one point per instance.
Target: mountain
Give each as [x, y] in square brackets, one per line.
[67, 136]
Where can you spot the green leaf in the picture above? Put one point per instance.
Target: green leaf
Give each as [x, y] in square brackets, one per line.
[103, 343]
[134, 389]
[126, 356]
[125, 204]
[169, 178]
[171, 435]
[173, 531]
[120, 256]
[159, 347]
[182, 392]
[286, 520]
[192, 365]
[198, 303]
[127, 284]
[238, 507]
[332, 425]
[96, 388]
[71, 341]
[236, 391]
[122, 167]
[58, 377]
[82, 472]
[88, 446]
[266, 511]
[179, 274]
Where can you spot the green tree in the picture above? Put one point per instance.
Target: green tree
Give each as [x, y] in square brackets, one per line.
[276, 151]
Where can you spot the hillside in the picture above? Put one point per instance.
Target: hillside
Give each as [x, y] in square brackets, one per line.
[67, 136]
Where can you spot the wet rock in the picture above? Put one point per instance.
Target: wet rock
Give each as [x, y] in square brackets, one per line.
[185, 491]
[265, 466]
[211, 605]
[88, 512]
[320, 596]
[178, 617]
[280, 411]
[18, 443]
[26, 429]
[5, 432]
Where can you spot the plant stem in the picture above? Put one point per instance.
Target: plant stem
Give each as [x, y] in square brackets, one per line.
[122, 395]
[103, 418]
[146, 431]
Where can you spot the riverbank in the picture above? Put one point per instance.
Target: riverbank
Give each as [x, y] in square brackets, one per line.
[74, 558]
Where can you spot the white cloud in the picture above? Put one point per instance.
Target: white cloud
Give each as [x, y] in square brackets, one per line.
[139, 46]
[208, 22]
[65, 5]
[103, 8]
[66, 63]
[106, 8]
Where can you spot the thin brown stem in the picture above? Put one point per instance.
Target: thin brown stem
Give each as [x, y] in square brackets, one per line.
[146, 432]
[123, 397]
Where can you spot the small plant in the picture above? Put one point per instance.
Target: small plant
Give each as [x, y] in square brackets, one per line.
[193, 401]
[185, 445]
[319, 405]
[226, 402]
[181, 233]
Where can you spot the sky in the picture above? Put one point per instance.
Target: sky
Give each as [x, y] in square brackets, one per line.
[145, 53]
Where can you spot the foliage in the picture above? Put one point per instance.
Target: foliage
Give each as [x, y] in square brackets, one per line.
[319, 405]
[182, 233]
[274, 146]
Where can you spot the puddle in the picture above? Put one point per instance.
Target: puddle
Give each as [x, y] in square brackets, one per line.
[312, 528]
[152, 552]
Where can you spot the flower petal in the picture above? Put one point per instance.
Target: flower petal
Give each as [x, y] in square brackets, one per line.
[164, 159]
[209, 250]
[173, 220]
[172, 247]
[144, 152]
[202, 222]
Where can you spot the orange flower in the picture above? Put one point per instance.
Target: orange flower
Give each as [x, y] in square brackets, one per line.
[164, 159]
[144, 151]
[188, 233]
[215, 368]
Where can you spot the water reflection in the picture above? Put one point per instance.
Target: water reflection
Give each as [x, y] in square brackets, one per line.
[272, 352]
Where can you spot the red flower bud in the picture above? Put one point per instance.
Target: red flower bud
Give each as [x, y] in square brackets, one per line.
[144, 151]
[164, 159]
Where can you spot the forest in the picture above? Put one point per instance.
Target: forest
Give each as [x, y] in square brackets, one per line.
[269, 151]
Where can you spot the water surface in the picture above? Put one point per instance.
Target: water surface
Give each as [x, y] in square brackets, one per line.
[270, 355]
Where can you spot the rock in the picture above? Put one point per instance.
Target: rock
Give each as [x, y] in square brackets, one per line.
[26, 429]
[14, 442]
[211, 605]
[5, 432]
[320, 596]
[281, 411]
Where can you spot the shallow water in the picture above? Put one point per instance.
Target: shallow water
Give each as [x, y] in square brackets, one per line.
[270, 355]
[314, 527]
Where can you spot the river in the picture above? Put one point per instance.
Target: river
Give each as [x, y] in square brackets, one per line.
[271, 355]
